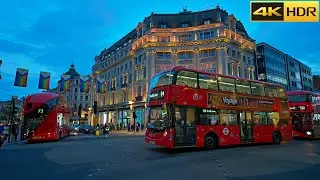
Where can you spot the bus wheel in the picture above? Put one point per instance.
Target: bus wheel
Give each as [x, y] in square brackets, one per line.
[211, 141]
[276, 138]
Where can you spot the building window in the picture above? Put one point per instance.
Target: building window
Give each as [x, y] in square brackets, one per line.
[145, 72]
[229, 69]
[75, 98]
[163, 26]
[163, 38]
[184, 37]
[74, 106]
[77, 81]
[206, 22]
[139, 91]
[184, 25]
[207, 53]
[81, 98]
[87, 98]
[124, 96]
[207, 35]
[185, 55]
[75, 90]
[163, 55]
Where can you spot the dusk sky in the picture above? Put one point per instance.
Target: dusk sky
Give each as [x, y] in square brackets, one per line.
[48, 35]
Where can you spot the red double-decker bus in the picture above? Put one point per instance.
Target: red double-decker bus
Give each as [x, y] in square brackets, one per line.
[305, 113]
[200, 109]
[46, 116]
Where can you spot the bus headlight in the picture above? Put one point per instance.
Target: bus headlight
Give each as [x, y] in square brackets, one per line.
[165, 133]
[309, 133]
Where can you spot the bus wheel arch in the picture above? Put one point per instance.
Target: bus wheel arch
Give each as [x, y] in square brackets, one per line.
[276, 137]
[211, 140]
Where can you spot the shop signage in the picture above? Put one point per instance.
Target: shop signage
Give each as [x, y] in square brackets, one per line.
[208, 111]
[216, 100]
[156, 95]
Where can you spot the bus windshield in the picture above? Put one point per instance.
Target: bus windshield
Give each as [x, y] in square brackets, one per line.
[161, 79]
[32, 120]
[299, 98]
[158, 118]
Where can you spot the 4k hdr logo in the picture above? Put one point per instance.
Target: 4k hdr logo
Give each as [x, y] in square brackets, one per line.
[286, 11]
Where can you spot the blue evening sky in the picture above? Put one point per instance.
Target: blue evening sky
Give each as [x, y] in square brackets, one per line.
[48, 35]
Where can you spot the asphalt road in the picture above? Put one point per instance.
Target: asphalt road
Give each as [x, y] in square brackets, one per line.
[125, 158]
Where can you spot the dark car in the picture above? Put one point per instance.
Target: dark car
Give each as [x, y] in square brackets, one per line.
[86, 128]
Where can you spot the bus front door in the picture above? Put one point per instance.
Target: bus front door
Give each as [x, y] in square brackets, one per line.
[246, 127]
[185, 129]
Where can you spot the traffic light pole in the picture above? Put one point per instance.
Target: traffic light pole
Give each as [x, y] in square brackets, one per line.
[11, 118]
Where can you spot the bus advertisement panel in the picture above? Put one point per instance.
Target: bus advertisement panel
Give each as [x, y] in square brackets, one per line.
[193, 108]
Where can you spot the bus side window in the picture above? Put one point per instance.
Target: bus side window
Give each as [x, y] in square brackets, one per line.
[282, 93]
[208, 82]
[273, 118]
[187, 78]
[259, 118]
[271, 92]
[228, 117]
[243, 87]
[226, 84]
[257, 89]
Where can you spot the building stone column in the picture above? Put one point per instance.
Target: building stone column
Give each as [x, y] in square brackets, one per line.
[196, 63]
[222, 60]
[219, 61]
[241, 65]
[174, 58]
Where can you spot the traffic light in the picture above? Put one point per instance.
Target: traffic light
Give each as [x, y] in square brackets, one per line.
[95, 107]
[79, 110]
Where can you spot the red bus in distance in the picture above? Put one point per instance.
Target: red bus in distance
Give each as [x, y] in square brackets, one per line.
[190, 108]
[305, 113]
[46, 116]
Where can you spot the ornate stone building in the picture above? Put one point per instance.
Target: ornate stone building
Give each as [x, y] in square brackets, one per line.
[75, 97]
[210, 40]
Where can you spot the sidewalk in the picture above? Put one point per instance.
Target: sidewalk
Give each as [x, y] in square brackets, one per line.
[126, 133]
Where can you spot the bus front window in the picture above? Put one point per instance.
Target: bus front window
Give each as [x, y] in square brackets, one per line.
[161, 79]
[158, 119]
[33, 119]
[300, 98]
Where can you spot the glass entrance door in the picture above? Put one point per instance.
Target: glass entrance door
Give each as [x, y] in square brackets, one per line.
[246, 127]
[185, 127]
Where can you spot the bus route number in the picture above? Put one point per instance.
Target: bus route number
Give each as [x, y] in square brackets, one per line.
[40, 111]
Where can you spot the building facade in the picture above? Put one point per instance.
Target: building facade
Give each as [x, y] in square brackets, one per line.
[211, 40]
[277, 67]
[316, 83]
[306, 77]
[75, 97]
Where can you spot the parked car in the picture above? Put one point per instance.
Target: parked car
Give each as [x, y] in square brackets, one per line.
[75, 129]
[86, 128]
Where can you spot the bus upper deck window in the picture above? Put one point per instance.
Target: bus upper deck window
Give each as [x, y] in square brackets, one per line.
[187, 78]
